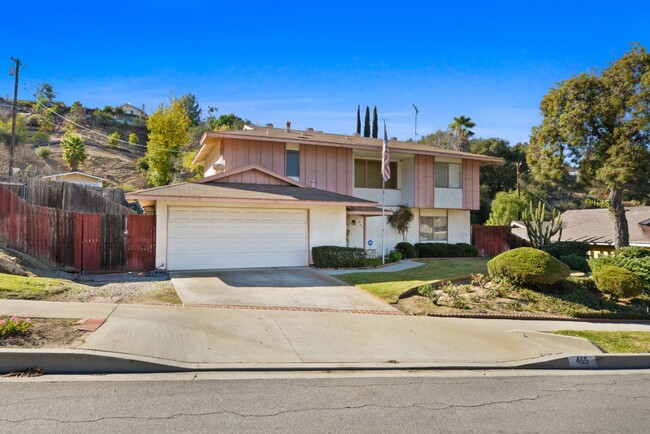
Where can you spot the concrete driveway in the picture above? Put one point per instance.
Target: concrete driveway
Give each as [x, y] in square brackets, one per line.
[296, 287]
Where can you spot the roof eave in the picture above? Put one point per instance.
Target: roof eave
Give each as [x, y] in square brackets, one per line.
[155, 198]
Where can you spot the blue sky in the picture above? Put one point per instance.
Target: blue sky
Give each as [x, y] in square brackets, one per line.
[313, 62]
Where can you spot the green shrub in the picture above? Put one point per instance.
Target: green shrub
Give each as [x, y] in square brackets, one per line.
[338, 257]
[617, 282]
[528, 266]
[394, 256]
[443, 250]
[43, 151]
[406, 249]
[565, 248]
[113, 139]
[575, 262]
[40, 139]
[633, 252]
[639, 266]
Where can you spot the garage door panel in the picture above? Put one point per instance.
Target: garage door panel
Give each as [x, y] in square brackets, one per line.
[210, 238]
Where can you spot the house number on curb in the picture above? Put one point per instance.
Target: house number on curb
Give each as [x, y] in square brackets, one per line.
[583, 362]
[370, 242]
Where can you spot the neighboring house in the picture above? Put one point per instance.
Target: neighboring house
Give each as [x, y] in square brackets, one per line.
[79, 178]
[596, 227]
[131, 110]
[270, 194]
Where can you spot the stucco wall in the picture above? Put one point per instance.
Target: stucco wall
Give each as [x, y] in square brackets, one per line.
[459, 226]
[327, 224]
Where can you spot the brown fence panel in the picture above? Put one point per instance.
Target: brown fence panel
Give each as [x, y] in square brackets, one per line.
[90, 242]
[112, 243]
[491, 240]
[141, 242]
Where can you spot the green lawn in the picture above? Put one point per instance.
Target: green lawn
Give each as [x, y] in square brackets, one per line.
[31, 288]
[389, 286]
[614, 342]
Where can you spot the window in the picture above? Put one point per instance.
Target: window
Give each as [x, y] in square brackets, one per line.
[293, 164]
[433, 228]
[367, 174]
[449, 175]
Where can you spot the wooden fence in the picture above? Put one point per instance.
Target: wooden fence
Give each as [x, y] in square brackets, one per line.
[491, 240]
[75, 241]
[68, 196]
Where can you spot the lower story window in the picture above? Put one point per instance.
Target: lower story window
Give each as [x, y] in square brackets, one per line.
[433, 228]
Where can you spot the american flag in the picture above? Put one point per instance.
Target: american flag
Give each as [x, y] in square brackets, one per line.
[385, 157]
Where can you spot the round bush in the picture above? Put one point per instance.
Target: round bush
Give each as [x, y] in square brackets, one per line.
[633, 252]
[564, 248]
[43, 151]
[575, 262]
[617, 282]
[528, 266]
[406, 249]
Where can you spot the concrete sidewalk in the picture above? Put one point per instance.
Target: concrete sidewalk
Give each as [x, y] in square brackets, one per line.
[400, 266]
[230, 337]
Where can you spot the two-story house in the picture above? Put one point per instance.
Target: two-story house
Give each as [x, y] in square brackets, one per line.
[270, 194]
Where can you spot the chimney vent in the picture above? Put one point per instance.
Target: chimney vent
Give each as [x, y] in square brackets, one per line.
[269, 125]
[288, 126]
[310, 130]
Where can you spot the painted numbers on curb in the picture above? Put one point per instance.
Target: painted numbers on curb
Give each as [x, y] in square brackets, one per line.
[585, 362]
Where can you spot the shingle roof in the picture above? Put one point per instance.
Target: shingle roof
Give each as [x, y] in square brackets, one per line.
[224, 191]
[321, 138]
[595, 226]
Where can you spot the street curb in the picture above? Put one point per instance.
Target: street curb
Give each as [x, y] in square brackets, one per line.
[97, 362]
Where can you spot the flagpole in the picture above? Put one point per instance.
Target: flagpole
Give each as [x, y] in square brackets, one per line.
[384, 162]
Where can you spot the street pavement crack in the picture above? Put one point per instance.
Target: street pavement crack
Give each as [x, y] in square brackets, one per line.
[428, 406]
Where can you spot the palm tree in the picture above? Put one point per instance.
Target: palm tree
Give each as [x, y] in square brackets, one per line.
[461, 126]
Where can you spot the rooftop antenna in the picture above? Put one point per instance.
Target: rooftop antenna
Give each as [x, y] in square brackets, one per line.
[416, 121]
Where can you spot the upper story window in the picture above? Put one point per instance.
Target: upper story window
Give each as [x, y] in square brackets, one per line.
[449, 175]
[293, 161]
[367, 174]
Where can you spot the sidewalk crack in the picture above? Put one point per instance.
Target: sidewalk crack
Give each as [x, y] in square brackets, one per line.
[287, 338]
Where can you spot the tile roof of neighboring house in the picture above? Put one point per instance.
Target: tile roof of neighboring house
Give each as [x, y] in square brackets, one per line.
[209, 139]
[595, 226]
[239, 192]
[59, 175]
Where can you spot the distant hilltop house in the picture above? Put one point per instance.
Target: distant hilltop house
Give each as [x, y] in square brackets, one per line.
[596, 227]
[79, 178]
[131, 110]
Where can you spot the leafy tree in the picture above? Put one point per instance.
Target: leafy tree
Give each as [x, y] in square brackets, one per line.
[600, 122]
[74, 151]
[109, 110]
[21, 130]
[118, 112]
[500, 177]
[439, 139]
[195, 170]
[506, 207]
[45, 107]
[401, 219]
[375, 126]
[133, 139]
[113, 140]
[191, 104]
[168, 133]
[359, 119]
[462, 127]
[366, 123]
[44, 94]
[40, 139]
[228, 122]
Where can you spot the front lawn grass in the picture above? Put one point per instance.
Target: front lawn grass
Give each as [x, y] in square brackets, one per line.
[614, 342]
[32, 288]
[390, 285]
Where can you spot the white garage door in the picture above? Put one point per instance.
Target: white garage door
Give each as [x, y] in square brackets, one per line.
[211, 238]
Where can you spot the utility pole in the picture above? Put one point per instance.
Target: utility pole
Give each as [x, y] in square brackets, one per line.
[416, 122]
[518, 164]
[12, 146]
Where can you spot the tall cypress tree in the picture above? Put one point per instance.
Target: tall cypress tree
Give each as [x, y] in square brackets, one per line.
[375, 127]
[359, 119]
[366, 123]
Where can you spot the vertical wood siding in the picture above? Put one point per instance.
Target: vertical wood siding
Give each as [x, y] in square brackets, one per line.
[327, 168]
[424, 181]
[471, 188]
[239, 153]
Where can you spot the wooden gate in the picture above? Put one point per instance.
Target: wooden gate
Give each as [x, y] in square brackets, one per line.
[141, 242]
[491, 240]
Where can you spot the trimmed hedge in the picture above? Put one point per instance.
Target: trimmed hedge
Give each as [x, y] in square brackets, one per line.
[633, 252]
[406, 249]
[639, 266]
[528, 266]
[338, 257]
[565, 248]
[443, 250]
[617, 282]
[575, 262]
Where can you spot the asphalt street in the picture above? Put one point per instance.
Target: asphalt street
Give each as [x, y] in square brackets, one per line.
[400, 402]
